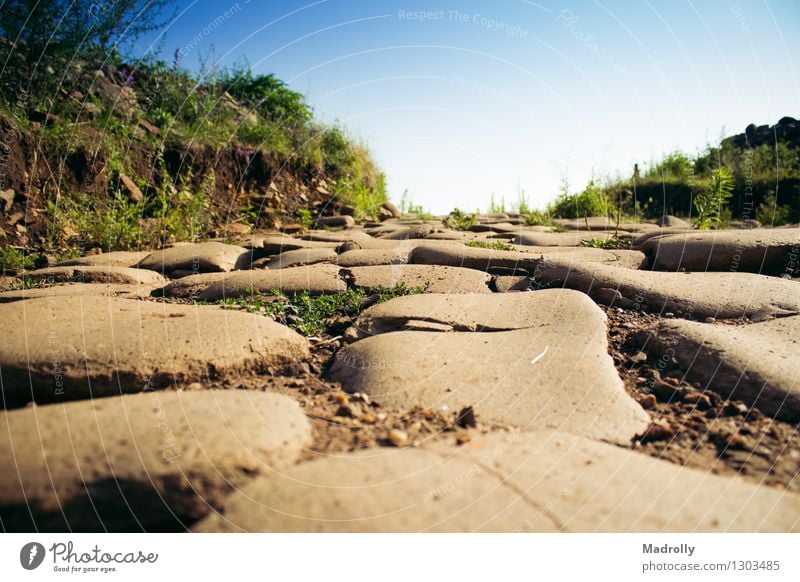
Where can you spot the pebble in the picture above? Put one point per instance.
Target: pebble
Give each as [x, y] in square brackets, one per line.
[701, 401]
[398, 438]
[648, 401]
[710, 319]
[639, 357]
[735, 409]
[659, 430]
[664, 392]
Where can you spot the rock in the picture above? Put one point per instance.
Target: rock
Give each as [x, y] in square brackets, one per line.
[432, 279]
[96, 274]
[237, 229]
[398, 438]
[698, 400]
[341, 236]
[591, 223]
[511, 283]
[687, 295]
[120, 291]
[112, 259]
[514, 262]
[297, 258]
[771, 251]
[133, 190]
[665, 392]
[191, 286]
[393, 210]
[672, 221]
[343, 221]
[156, 461]
[199, 258]
[505, 227]
[542, 482]
[275, 245]
[551, 369]
[755, 363]
[7, 196]
[315, 279]
[659, 430]
[373, 257]
[149, 127]
[96, 346]
[648, 401]
[557, 239]
[413, 232]
[7, 283]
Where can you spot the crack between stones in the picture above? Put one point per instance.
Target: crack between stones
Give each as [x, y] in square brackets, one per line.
[502, 481]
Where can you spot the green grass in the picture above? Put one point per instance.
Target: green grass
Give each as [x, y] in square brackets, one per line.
[495, 246]
[605, 243]
[460, 220]
[14, 260]
[313, 315]
[538, 218]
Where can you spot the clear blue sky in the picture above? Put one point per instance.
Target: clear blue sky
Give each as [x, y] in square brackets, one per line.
[461, 99]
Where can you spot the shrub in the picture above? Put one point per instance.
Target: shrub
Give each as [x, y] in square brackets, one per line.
[592, 201]
[710, 202]
[14, 260]
[459, 220]
[771, 213]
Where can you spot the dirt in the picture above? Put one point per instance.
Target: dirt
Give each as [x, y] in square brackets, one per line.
[699, 428]
[691, 427]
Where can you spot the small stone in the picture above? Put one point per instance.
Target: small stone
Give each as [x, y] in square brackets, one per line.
[398, 438]
[735, 409]
[664, 392]
[466, 418]
[134, 192]
[648, 401]
[669, 314]
[710, 319]
[700, 401]
[658, 430]
[639, 357]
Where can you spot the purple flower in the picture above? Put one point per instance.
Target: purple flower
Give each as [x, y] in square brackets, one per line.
[237, 119]
[245, 153]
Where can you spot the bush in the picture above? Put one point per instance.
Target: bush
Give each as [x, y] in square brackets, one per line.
[459, 220]
[13, 261]
[771, 213]
[709, 203]
[592, 201]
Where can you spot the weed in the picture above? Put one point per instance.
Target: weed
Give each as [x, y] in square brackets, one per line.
[538, 218]
[497, 208]
[313, 315]
[305, 218]
[523, 205]
[605, 243]
[459, 220]
[14, 260]
[709, 203]
[495, 246]
[592, 201]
